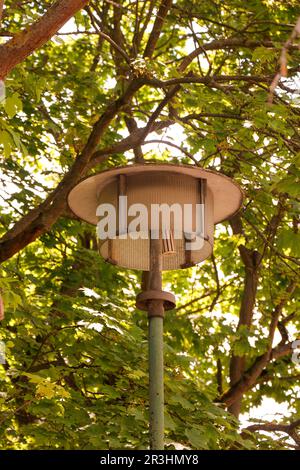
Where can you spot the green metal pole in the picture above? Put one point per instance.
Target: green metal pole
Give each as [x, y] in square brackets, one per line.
[156, 361]
[156, 383]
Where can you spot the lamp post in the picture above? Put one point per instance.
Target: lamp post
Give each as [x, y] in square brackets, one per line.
[155, 217]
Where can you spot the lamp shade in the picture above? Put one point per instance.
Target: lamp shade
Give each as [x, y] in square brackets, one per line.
[178, 203]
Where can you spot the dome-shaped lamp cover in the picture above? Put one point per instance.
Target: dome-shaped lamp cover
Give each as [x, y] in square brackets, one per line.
[179, 204]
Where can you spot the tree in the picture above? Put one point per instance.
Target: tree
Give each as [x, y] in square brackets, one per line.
[205, 83]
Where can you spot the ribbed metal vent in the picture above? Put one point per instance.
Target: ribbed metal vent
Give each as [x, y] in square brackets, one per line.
[154, 188]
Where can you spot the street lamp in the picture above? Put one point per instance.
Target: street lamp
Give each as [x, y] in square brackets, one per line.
[155, 217]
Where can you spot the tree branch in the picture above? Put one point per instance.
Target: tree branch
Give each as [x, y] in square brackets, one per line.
[219, 376]
[212, 80]
[251, 260]
[116, 46]
[130, 142]
[25, 43]
[157, 27]
[283, 72]
[289, 429]
[1, 9]
[171, 144]
[229, 43]
[249, 378]
[39, 220]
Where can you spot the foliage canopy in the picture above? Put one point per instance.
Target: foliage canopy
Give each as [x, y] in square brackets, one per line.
[192, 77]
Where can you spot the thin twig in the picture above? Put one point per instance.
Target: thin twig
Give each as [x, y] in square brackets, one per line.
[283, 60]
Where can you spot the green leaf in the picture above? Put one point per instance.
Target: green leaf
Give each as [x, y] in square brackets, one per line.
[186, 404]
[264, 54]
[6, 141]
[289, 241]
[12, 105]
[290, 184]
[197, 438]
[169, 422]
